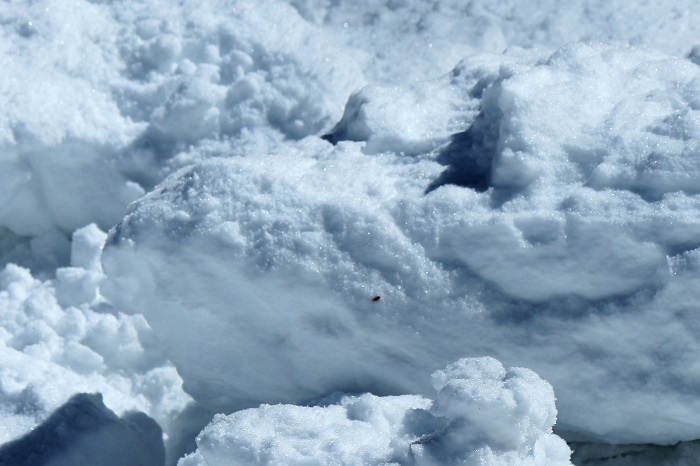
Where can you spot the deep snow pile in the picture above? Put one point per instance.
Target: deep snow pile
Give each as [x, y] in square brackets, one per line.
[567, 246]
[482, 415]
[536, 204]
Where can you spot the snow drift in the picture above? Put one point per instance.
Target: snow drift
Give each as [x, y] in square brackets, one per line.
[563, 239]
[537, 204]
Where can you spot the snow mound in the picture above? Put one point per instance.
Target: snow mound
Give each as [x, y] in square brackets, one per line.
[376, 115]
[358, 430]
[483, 415]
[83, 432]
[234, 219]
[59, 337]
[563, 240]
[413, 119]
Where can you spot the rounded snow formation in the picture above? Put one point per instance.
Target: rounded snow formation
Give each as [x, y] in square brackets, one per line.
[483, 415]
[557, 229]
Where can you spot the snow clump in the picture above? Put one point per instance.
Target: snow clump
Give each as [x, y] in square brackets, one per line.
[483, 415]
[59, 337]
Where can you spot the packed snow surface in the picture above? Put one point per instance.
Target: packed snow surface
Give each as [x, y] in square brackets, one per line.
[309, 196]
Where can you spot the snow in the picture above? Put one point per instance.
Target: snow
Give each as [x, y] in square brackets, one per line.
[116, 92]
[267, 264]
[482, 415]
[60, 337]
[516, 181]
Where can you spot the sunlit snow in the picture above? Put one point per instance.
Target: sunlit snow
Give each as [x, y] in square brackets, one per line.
[318, 232]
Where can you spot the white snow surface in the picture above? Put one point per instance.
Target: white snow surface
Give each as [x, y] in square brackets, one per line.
[123, 90]
[483, 415]
[513, 180]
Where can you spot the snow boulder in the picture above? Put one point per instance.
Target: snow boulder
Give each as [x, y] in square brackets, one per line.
[557, 231]
[483, 415]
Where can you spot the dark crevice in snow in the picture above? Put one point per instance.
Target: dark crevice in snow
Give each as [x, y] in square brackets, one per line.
[468, 163]
[680, 248]
[142, 161]
[470, 154]
[190, 422]
[694, 55]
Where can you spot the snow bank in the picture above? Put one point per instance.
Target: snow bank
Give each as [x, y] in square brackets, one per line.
[483, 415]
[59, 337]
[556, 231]
[83, 432]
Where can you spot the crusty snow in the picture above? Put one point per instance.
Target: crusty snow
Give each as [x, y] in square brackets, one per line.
[318, 232]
